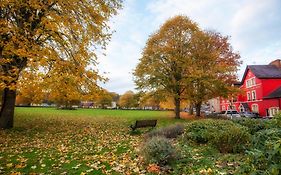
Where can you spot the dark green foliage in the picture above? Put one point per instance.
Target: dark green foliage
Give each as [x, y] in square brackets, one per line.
[262, 138]
[231, 139]
[253, 125]
[266, 160]
[275, 122]
[265, 155]
[224, 135]
[172, 131]
[200, 131]
[159, 150]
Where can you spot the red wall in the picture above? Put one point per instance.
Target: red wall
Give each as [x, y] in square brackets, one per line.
[269, 85]
[263, 87]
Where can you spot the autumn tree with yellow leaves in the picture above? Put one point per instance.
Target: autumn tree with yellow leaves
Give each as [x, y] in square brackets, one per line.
[161, 66]
[129, 100]
[212, 68]
[185, 63]
[55, 37]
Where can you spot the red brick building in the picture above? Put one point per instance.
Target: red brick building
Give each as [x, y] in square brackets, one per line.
[261, 86]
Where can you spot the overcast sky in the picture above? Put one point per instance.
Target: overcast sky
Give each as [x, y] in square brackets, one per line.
[254, 27]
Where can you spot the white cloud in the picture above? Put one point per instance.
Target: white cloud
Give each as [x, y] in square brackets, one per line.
[254, 27]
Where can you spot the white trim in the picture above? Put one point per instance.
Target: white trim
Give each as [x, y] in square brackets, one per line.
[249, 95]
[257, 107]
[251, 82]
[273, 110]
[241, 107]
[254, 99]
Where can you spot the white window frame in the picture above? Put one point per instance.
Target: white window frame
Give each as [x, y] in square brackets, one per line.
[254, 95]
[255, 108]
[248, 83]
[253, 81]
[241, 108]
[248, 96]
[273, 111]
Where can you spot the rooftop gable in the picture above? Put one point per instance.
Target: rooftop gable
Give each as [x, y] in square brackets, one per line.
[263, 72]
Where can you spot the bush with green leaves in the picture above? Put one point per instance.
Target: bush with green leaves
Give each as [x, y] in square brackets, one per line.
[262, 138]
[226, 136]
[159, 150]
[231, 139]
[172, 131]
[253, 125]
[275, 122]
[266, 160]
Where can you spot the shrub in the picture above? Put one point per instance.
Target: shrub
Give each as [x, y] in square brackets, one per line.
[275, 122]
[253, 125]
[171, 131]
[159, 150]
[231, 139]
[265, 137]
[224, 135]
[200, 131]
[265, 160]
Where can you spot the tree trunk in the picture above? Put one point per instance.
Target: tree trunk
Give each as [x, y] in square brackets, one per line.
[7, 109]
[177, 107]
[198, 108]
[190, 109]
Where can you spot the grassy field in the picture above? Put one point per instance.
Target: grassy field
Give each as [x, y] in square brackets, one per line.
[92, 141]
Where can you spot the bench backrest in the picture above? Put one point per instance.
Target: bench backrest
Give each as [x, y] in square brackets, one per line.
[145, 123]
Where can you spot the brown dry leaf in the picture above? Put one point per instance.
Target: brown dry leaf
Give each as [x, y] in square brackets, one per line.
[15, 173]
[21, 165]
[153, 168]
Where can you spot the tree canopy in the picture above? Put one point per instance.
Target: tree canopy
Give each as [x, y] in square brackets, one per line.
[161, 65]
[212, 68]
[184, 62]
[55, 37]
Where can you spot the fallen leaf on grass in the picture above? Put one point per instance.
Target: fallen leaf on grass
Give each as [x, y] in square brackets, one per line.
[153, 168]
[9, 165]
[21, 165]
[15, 173]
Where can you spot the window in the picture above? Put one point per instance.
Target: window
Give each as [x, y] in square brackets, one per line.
[242, 109]
[248, 96]
[253, 82]
[253, 95]
[273, 111]
[250, 82]
[255, 108]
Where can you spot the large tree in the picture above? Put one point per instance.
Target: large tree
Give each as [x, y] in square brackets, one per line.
[212, 68]
[161, 66]
[45, 34]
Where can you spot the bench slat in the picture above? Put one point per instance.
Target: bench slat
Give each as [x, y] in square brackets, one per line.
[144, 123]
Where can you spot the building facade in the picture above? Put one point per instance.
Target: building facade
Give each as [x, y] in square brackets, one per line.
[261, 90]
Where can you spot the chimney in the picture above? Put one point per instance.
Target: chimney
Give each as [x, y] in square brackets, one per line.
[276, 63]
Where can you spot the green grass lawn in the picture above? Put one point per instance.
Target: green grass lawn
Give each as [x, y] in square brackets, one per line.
[94, 141]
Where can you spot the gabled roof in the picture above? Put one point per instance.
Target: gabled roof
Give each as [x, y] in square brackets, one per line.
[275, 94]
[263, 71]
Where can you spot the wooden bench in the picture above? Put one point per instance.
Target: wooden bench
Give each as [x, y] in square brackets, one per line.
[143, 124]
